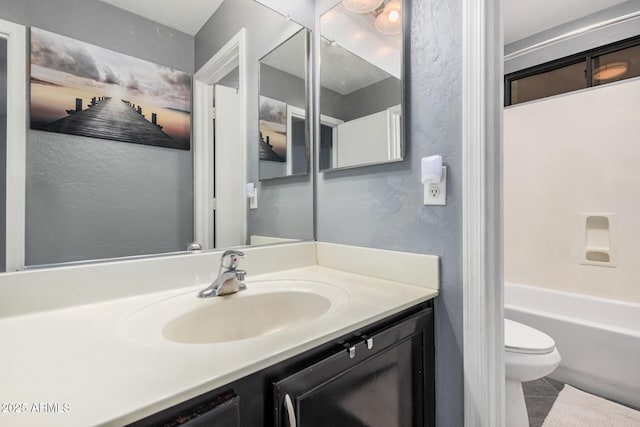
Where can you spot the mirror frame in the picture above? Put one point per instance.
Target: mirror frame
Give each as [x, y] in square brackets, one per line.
[16, 133]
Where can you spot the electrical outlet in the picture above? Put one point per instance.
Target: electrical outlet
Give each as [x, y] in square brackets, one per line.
[435, 193]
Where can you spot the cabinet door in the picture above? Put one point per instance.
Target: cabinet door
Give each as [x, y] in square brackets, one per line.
[377, 382]
[221, 411]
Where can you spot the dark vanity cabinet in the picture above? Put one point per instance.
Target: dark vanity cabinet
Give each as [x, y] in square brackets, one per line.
[379, 376]
[210, 410]
[378, 381]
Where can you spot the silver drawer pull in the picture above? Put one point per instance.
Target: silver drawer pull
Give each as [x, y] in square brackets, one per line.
[369, 343]
[290, 412]
[352, 352]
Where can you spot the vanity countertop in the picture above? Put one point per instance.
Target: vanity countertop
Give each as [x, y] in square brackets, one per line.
[72, 367]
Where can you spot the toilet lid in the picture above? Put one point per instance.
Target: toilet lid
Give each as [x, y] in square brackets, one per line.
[519, 338]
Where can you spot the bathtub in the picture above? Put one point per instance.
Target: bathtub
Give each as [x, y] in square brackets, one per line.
[598, 339]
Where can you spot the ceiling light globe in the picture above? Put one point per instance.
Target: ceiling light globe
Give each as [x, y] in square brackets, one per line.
[361, 6]
[390, 20]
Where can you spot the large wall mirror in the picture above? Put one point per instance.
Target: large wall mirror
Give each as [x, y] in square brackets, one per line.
[96, 197]
[361, 86]
[284, 143]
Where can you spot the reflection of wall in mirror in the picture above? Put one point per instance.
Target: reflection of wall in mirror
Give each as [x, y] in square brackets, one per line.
[96, 199]
[370, 139]
[286, 206]
[297, 141]
[368, 109]
[368, 100]
[289, 89]
[232, 79]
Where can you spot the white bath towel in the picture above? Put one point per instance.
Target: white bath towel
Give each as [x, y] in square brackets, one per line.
[575, 408]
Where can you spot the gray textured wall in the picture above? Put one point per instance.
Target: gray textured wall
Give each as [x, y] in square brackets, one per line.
[368, 100]
[126, 199]
[373, 99]
[283, 86]
[89, 199]
[3, 152]
[232, 79]
[331, 103]
[285, 206]
[382, 206]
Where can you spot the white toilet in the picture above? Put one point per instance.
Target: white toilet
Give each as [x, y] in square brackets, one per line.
[529, 355]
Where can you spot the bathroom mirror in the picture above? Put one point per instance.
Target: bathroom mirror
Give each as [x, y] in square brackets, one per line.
[361, 121]
[283, 142]
[90, 199]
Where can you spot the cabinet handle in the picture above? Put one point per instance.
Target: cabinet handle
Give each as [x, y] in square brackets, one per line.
[290, 412]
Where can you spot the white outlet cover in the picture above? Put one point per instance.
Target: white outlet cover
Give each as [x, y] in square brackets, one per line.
[441, 198]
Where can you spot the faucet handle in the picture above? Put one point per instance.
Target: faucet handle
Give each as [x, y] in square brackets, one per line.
[194, 247]
[234, 259]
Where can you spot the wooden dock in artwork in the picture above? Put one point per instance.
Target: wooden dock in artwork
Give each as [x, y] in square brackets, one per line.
[113, 119]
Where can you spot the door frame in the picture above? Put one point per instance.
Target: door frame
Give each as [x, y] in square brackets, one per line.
[16, 37]
[230, 56]
[482, 258]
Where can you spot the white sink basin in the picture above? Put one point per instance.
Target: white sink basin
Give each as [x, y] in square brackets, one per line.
[266, 307]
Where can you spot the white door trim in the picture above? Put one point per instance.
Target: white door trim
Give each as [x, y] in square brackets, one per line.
[230, 56]
[483, 305]
[16, 142]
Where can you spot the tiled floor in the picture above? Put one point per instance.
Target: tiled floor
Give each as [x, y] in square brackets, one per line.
[539, 396]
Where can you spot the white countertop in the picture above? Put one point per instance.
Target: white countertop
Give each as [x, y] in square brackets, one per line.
[75, 358]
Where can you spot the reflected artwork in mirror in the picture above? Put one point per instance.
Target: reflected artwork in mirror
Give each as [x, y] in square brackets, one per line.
[93, 196]
[283, 142]
[361, 87]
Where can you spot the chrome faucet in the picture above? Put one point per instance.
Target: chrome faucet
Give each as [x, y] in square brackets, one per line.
[230, 280]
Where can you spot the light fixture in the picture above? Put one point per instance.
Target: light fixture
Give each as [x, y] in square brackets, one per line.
[390, 20]
[361, 6]
[611, 70]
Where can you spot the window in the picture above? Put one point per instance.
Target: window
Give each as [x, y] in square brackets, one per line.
[596, 67]
[549, 83]
[619, 65]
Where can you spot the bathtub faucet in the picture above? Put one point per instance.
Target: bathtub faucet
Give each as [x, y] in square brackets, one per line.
[229, 279]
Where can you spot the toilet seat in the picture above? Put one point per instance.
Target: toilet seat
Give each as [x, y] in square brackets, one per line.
[519, 338]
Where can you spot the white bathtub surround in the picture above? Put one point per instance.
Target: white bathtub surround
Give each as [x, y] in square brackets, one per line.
[84, 356]
[575, 408]
[567, 158]
[599, 339]
[600, 239]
